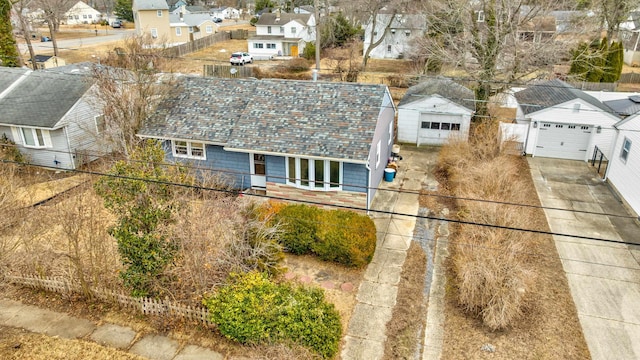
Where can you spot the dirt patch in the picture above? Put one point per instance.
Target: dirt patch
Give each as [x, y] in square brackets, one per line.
[406, 325]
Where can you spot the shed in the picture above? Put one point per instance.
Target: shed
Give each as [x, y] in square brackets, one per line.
[434, 111]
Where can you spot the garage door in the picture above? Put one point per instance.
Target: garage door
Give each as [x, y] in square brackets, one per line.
[435, 129]
[563, 141]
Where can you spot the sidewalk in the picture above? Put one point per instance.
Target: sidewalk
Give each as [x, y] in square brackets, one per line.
[51, 323]
[365, 337]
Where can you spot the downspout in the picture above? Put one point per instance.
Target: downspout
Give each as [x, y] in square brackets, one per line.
[368, 185]
[615, 142]
[66, 135]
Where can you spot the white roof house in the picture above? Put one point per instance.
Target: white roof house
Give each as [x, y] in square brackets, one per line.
[81, 13]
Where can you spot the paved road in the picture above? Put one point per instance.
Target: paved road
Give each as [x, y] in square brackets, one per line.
[604, 277]
[114, 35]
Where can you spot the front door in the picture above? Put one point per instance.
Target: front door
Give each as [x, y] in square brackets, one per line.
[258, 171]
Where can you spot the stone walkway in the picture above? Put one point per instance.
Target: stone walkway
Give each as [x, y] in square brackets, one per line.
[365, 336]
[51, 323]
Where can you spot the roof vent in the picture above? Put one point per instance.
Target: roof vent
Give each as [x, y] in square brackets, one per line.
[635, 98]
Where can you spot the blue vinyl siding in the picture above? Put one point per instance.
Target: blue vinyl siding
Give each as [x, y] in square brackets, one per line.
[276, 169]
[354, 177]
[234, 166]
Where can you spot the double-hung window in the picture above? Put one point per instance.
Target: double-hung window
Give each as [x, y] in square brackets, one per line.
[314, 174]
[626, 149]
[35, 138]
[188, 149]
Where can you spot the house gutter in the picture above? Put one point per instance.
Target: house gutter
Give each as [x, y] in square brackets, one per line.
[615, 141]
[368, 185]
[294, 155]
[66, 134]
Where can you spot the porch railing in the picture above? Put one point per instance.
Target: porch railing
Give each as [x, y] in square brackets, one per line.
[599, 162]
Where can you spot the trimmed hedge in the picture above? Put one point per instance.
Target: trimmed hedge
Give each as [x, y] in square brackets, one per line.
[252, 309]
[340, 236]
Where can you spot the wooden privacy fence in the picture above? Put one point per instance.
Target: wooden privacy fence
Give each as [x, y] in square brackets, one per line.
[195, 45]
[227, 71]
[629, 78]
[144, 305]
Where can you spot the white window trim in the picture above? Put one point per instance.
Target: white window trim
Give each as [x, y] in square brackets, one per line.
[95, 119]
[46, 138]
[312, 163]
[624, 152]
[159, 13]
[378, 154]
[178, 31]
[390, 132]
[480, 17]
[189, 150]
[209, 29]
[154, 33]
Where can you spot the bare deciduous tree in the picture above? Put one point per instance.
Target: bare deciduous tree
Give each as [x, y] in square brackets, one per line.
[20, 8]
[128, 89]
[613, 13]
[492, 40]
[54, 11]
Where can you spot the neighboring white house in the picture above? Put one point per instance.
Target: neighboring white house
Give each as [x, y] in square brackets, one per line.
[81, 13]
[630, 35]
[281, 34]
[623, 171]
[397, 38]
[434, 111]
[565, 122]
[230, 13]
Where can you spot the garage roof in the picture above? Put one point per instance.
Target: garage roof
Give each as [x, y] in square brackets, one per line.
[444, 87]
[551, 93]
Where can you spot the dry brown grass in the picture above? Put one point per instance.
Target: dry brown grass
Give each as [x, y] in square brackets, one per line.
[410, 310]
[506, 288]
[18, 344]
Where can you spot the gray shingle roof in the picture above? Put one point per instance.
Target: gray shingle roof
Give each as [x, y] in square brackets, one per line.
[42, 98]
[150, 5]
[333, 120]
[270, 18]
[625, 107]
[551, 93]
[444, 87]
[190, 19]
[8, 75]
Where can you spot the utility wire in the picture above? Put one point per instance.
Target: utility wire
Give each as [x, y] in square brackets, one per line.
[348, 207]
[191, 166]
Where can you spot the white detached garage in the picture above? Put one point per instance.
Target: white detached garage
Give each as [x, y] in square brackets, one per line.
[564, 122]
[434, 111]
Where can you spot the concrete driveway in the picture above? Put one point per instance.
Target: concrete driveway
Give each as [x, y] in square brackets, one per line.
[604, 277]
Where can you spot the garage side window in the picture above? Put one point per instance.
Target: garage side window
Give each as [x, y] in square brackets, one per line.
[626, 148]
[425, 125]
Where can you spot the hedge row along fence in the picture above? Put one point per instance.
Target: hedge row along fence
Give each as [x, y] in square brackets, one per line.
[143, 305]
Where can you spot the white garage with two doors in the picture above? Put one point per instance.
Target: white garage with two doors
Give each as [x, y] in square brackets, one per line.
[435, 111]
[564, 122]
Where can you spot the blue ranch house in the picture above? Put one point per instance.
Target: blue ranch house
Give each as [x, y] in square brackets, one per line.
[320, 141]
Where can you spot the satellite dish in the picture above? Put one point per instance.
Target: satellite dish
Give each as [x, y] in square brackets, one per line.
[233, 71]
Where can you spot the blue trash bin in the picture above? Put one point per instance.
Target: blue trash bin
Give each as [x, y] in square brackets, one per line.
[389, 174]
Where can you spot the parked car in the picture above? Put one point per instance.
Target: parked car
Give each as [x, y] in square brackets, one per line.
[45, 39]
[217, 20]
[116, 24]
[240, 58]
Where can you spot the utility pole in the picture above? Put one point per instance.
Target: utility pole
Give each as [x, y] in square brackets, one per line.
[316, 71]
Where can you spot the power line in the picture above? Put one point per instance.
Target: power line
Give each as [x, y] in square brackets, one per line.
[348, 207]
[366, 188]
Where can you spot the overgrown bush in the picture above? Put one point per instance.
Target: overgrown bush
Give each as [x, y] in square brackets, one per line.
[309, 51]
[340, 236]
[296, 65]
[299, 227]
[346, 238]
[492, 276]
[252, 309]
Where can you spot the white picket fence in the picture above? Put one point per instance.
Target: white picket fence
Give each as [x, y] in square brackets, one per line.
[145, 305]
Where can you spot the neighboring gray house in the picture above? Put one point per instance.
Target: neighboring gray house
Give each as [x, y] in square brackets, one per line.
[434, 111]
[50, 116]
[328, 142]
[398, 39]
